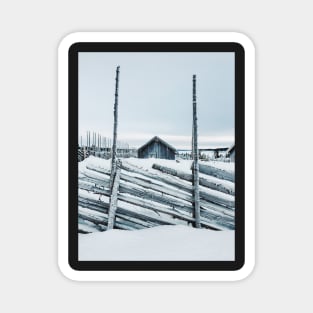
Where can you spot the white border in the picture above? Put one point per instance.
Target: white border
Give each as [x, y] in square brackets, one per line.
[249, 157]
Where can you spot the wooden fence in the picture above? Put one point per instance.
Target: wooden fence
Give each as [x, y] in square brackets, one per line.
[105, 153]
[144, 198]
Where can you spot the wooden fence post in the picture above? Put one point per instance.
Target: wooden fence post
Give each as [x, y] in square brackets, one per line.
[114, 147]
[195, 156]
[192, 141]
[114, 197]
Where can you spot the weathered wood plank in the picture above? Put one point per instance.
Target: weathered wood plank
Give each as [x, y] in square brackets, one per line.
[156, 197]
[91, 218]
[216, 219]
[162, 209]
[217, 208]
[96, 182]
[228, 202]
[101, 191]
[103, 220]
[171, 171]
[188, 177]
[98, 169]
[159, 198]
[216, 172]
[96, 204]
[172, 181]
[160, 188]
[114, 198]
[213, 197]
[138, 222]
[103, 180]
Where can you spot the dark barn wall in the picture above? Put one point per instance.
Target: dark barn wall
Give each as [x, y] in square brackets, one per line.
[232, 156]
[156, 150]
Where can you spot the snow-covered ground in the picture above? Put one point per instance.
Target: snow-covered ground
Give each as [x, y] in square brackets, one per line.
[159, 243]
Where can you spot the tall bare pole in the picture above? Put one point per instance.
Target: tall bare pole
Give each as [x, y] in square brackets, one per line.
[195, 156]
[193, 129]
[114, 197]
[114, 147]
[192, 142]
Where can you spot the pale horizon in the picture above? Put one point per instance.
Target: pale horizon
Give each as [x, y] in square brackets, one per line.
[178, 142]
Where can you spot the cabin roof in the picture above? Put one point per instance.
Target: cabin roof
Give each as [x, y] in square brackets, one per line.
[157, 139]
[213, 149]
[231, 149]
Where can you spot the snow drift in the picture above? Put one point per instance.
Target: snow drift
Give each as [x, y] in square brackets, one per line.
[160, 243]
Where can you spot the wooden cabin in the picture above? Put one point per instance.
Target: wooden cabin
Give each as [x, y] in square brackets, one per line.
[157, 148]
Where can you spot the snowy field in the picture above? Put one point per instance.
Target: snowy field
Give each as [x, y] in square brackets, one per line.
[159, 243]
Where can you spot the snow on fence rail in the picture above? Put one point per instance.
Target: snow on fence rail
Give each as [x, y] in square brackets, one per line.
[150, 196]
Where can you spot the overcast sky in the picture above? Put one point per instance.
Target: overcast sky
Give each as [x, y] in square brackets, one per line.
[155, 96]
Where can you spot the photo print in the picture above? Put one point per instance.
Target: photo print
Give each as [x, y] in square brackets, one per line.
[156, 156]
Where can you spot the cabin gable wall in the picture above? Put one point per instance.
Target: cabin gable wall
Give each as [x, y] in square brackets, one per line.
[156, 150]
